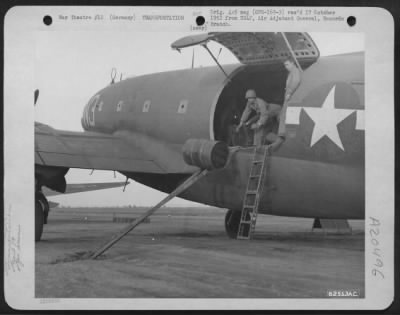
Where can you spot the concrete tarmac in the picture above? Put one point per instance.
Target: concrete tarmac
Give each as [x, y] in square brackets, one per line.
[185, 253]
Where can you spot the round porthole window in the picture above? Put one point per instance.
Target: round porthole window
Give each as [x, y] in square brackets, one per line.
[182, 108]
[119, 106]
[146, 106]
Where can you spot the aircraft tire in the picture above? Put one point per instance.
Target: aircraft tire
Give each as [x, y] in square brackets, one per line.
[39, 219]
[232, 221]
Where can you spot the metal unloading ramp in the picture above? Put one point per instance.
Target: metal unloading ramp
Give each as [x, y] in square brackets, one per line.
[205, 154]
[186, 184]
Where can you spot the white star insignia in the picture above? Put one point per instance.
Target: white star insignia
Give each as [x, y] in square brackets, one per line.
[326, 119]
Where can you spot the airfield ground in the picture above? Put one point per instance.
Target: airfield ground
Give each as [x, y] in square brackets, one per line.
[185, 253]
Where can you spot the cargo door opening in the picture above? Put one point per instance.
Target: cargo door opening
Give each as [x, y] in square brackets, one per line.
[269, 83]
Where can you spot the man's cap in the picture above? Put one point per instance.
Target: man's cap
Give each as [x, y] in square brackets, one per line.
[250, 94]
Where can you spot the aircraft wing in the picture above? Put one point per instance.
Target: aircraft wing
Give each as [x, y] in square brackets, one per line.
[53, 204]
[76, 188]
[124, 152]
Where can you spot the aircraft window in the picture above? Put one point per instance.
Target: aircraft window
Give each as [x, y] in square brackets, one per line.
[100, 106]
[146, 106]
[182, 106]
[119, 106]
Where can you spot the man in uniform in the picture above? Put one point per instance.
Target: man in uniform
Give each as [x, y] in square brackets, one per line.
[263, 123]
[293, 79]
[292, 83]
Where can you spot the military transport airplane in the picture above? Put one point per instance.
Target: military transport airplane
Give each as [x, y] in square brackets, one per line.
[139, 126]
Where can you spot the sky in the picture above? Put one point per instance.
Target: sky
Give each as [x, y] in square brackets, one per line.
[71, 67]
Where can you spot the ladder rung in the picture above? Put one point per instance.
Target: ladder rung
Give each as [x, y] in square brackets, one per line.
[248, 194]
[256, 181]
[245, 222]
[252, 192]
[249, 207]
[251, 219]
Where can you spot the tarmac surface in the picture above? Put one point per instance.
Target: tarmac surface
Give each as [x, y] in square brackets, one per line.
[185, 253]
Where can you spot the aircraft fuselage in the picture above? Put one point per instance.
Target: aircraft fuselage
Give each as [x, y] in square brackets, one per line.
[317, 172]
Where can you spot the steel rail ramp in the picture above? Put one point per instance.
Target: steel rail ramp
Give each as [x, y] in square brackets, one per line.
[186, 184]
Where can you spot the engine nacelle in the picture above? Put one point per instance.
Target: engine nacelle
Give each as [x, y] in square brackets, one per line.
[205, 154]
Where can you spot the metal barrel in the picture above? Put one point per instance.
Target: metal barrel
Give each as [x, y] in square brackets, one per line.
[205, 154]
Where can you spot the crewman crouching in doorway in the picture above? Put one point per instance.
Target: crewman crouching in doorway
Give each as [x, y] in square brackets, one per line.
[261, 124]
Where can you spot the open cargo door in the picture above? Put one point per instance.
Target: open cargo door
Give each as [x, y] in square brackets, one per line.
[258, 48]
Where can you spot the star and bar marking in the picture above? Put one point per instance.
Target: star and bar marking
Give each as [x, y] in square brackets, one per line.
[326, 118]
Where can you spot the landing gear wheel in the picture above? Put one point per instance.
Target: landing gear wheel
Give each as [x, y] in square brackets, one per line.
[46, 207]
[39, 219]
[232, 221]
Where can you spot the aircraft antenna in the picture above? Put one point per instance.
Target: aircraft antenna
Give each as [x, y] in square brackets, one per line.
[113, 75]
[91, 172]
